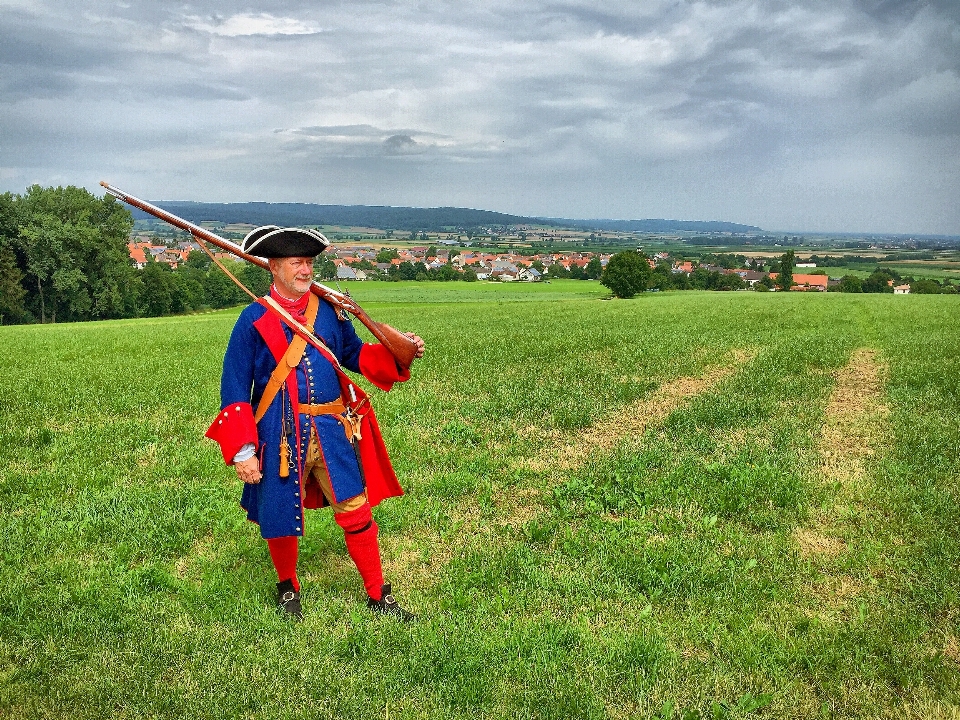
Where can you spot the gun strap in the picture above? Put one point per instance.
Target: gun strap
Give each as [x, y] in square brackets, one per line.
[223, 267]
[290, 360]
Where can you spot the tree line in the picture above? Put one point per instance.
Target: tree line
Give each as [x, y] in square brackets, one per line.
[64, 258]
[628, 273]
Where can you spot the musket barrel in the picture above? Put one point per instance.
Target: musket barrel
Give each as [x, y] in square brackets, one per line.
[179, 222]
[400, 346]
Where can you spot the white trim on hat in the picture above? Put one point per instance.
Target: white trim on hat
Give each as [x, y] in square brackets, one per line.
[317, 235]
[264, 229]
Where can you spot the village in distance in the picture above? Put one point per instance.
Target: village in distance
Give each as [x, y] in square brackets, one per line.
[530, 253]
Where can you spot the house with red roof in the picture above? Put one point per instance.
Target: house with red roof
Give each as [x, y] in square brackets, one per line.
[802, 283]
[139, 257]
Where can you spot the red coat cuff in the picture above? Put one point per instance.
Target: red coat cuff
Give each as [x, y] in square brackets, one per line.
[379, 367]
[233, 428]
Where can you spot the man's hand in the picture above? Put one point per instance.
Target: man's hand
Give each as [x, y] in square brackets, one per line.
[249, 470]
[418, 341]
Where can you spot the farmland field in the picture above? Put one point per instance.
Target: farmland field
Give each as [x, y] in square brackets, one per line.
[683, 505]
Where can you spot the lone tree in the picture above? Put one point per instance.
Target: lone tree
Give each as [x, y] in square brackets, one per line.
[627, 273]
[850, 284]
[880, 281]
[594, 269]
[785, 275]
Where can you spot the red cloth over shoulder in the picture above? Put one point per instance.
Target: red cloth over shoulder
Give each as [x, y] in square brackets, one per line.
[379, 367]
[233, 428]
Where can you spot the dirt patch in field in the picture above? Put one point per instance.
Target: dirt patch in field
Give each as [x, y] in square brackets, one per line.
[695, 654]
[951, 649]
[814, 543]
[149, 456]
[518, 506]
[837, 589]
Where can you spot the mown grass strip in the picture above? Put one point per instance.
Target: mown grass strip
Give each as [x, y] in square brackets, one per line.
[855, 418]
[855, 423]
[571, 452]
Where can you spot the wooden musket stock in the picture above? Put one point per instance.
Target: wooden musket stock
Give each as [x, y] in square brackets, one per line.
[400, 346]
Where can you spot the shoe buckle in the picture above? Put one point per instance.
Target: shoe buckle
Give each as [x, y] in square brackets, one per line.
[389, 600]
[287, 597]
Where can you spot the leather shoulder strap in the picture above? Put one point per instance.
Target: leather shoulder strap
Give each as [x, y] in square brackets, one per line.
[290, 360]
[313, 307]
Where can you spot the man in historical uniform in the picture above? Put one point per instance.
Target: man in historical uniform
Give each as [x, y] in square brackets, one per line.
[297, 429]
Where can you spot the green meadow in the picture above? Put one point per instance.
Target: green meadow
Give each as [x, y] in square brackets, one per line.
[685, 505]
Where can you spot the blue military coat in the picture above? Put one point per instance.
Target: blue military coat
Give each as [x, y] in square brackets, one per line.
[276, 503]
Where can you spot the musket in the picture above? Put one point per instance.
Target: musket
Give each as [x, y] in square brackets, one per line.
[400, 346]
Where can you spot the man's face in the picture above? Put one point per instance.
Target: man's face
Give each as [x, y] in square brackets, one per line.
[292, 275]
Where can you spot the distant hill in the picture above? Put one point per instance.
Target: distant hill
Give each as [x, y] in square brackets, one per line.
[375, 216]
[408, 218]
[700, 226]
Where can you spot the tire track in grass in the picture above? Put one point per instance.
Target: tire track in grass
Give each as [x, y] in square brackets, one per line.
[561, 455]
[855, 418]
[855, 422]
[573, 452]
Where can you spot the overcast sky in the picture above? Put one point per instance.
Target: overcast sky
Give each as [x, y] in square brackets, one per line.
[841, 115]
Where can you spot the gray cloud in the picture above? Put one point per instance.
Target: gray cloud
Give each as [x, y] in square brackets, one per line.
[339, 131]
[790, 115]
[400, 145]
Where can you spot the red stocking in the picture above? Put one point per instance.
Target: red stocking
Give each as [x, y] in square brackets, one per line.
[283, 552]
[360, 532]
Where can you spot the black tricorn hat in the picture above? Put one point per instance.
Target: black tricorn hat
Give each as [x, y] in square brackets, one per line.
[271, 241]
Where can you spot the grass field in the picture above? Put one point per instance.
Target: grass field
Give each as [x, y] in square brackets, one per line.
[684, 505]
[919, 270]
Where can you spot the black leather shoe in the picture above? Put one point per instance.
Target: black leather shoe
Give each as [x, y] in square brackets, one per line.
[288, 600]
[388, 605]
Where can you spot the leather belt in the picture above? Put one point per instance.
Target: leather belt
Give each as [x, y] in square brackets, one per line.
[331, 408]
